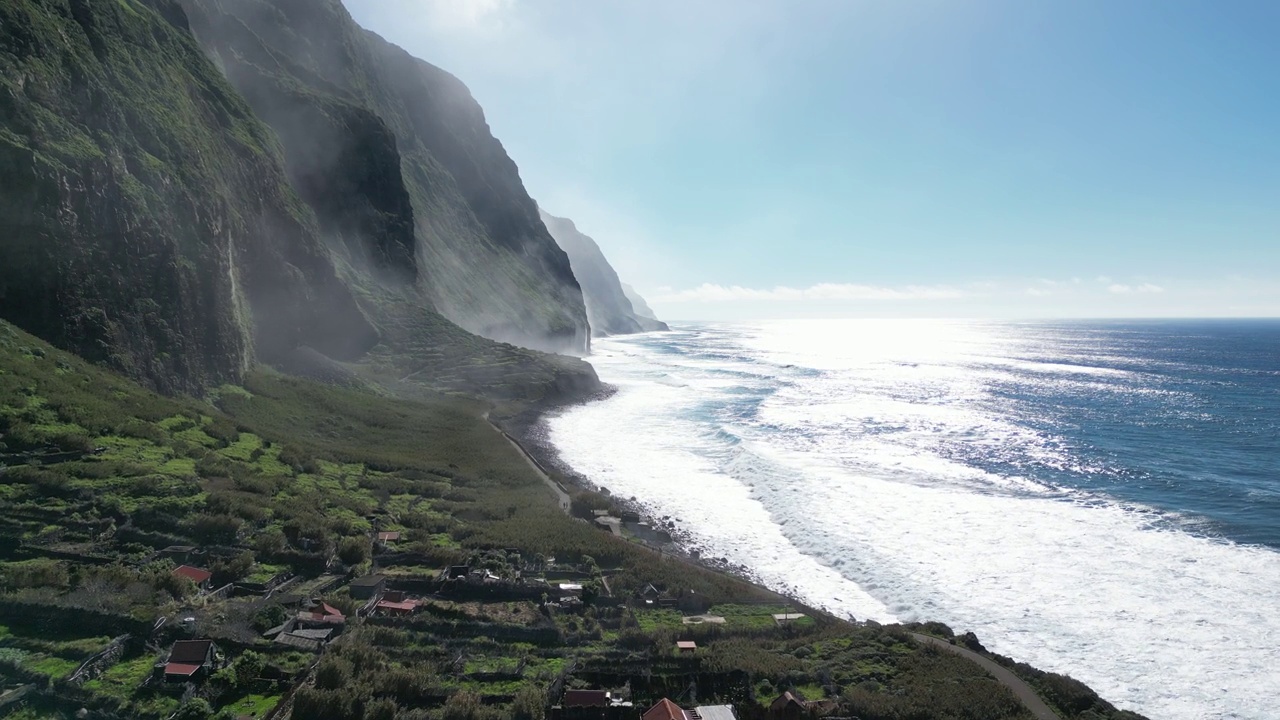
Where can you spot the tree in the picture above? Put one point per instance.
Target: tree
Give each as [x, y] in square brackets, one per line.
[529, 704]
[381, 709]
[462, 705]
[353, 550]
[195, 709]
[248, 667]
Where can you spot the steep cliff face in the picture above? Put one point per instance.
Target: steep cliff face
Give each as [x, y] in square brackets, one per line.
[608, 307]
[145, 220]
[396, 159]
[643, 313]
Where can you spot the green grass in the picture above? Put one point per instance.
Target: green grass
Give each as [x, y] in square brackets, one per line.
[54, 667]
[254, 706]
[650, 620]
[122, 679]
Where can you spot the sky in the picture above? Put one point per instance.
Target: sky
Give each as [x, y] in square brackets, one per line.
[740, 159]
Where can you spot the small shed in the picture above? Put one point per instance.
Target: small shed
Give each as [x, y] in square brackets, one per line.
[388, 536]
[367, 587]
[585, 698]
[686, 646]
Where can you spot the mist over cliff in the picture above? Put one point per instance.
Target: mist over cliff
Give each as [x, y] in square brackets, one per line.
[187, 189]
[396, 159]
[643, 313]
[608, 307]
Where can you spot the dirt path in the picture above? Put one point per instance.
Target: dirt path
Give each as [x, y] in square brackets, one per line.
[562, 497]
[1029, 698]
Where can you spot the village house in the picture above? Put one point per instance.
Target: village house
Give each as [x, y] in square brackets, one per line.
[367, 587]
[788, 706]
[665, 710]
[196, 575]
[401, 608]
[650, 594]
[190, 660]
[713, 712]
[309, 640]
[320, 615]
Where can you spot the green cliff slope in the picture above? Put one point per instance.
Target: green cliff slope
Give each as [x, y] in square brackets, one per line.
[149, 222]
[144, 220]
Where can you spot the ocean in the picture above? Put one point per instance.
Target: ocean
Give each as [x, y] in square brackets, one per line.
[1100, 499]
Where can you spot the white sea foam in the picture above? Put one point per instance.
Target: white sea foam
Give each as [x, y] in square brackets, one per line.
[842, 487]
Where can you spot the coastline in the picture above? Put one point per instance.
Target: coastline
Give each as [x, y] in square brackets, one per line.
[528, 431]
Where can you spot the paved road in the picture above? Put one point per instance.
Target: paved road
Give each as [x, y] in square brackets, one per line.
[1029, 698]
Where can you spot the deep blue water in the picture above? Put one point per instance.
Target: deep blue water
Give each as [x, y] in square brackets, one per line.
[1197, 430]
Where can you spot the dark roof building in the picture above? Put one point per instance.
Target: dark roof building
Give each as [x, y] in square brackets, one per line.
[585, 698]
[367, 586]
[189, 659]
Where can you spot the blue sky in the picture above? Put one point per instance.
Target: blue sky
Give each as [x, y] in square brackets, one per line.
[924, 158]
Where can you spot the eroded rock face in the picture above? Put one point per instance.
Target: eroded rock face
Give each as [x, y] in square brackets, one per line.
[608, 307]
[396, 159]
[145, 219]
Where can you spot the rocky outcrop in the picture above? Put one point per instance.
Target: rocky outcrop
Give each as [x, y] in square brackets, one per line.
[643, 313]
[396, 159]
[148, 224]
[608, 307]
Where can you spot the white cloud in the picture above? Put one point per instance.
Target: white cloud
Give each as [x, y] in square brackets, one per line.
[839, 292]
[1143, 289]
[467, 14]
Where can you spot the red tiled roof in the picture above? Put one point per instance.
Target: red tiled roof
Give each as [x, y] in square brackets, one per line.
[687, 645]
[330, 610]
[585, 698]
[664, 710]
[196, 575]
[388, 536]
[406, 606]
[180, 669]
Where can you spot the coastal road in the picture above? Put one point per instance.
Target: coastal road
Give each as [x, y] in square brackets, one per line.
[1029, 698]
[562, 497]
